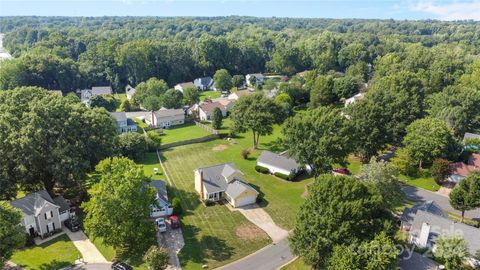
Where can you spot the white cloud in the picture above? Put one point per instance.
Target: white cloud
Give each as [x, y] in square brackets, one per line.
[464, 10]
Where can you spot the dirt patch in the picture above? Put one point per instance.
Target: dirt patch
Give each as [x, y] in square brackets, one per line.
[219, 147]
[250, 232]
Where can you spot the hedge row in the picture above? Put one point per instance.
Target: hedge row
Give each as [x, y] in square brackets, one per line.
[283, 176]
[261, 169]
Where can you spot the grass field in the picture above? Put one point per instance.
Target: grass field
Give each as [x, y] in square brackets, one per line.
[182, 133]
[297, 264]
[422, 182]
[209, 94]
[55, 254]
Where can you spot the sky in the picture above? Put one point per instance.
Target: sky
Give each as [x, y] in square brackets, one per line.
[373, 9]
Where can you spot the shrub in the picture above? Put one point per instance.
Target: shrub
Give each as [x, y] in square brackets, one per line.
[153, 140]
[283, 176]
[209, 203]
[177, 207]
[440, 170]
[156, 258]
[261, 169]
[245, 153]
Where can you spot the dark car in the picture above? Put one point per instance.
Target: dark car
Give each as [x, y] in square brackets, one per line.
[121, 266]
[343, 171]
[72, 224]
[174, 222]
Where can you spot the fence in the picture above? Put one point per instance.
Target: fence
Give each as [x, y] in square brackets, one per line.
[207, 128]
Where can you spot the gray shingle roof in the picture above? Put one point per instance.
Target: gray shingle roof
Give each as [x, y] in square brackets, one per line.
[186, 85]
[62, 203]
[214, 176]
[279, 161]
[33, 203]
[119, 116]
[428, 206]
[203, 82]
[161, 189]
[469, 135]
[443, 226]
[101, 90]
[237, 187]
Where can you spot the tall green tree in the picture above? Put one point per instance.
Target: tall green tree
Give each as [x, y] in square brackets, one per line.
[109, 103]
[172, 99]
[39, 130]
[318, 138]
[428, 139]
[156, 258]
[132, 145]
[322, 92]
[149, 93]
[339, 210]
[223, 80]
[217, 118]
[256, 113]
[191, 96]
[452, 249]
[12, 235]
[123, 191]
[466, 196]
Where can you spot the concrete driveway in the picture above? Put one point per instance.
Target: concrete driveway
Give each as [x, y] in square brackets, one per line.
[89, 251]
[262, 219]
[172, 241]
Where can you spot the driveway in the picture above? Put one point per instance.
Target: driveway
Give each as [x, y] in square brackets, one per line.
[270, 257]
[418, 194]
[89, 251]
[172, 241]
[262, 219]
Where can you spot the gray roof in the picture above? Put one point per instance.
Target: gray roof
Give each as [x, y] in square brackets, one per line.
[443, 226]
[416, 262]
[204, 81]
[62, 203]
[428, 206]
[237, 187]
[33, 203]
[469, 135]
[161, 189]
[186, 85]
[214, 176]
[277, 160]
[101, 90]
[119, 116]
[130, 90]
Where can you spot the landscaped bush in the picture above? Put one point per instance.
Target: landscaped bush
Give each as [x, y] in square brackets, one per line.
[177, 207]
[440, 170]
[261, 169]
[245, 153]
[209, 203]
[283, 176]
[153, 140]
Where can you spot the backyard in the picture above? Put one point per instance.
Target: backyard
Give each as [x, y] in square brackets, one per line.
[209, 94]
[52, 255]
[183, 132]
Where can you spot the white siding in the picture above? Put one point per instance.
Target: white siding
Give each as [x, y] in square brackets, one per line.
[274, 169]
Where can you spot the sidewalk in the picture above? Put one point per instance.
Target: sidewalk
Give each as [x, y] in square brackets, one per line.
[88, 250]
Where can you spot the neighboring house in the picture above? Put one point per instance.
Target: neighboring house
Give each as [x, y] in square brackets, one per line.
[165, 118]
[182, 86]
[224, 182]
[427, 227]
[41, 213]
[259, 78]
[205, 110]
[354, 99]
[409, 213]
[204, 83]
[124, 124]
[95, 91]
[469, 135]
[278, 163]
[130, 91]
[460, 170]
[162, 207]
[226, 103]
[238, 94]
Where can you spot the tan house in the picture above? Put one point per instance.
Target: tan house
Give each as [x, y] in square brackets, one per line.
[165, 118]
[182, 86]
[205, 110]
[236, 95]
[226, 103]
[224, 182]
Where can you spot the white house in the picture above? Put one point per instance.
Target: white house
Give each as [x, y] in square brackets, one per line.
[278, 163]
[130, 91]
[161, 207]
[259, 78]
[354, 99]
[95, 91]
[182, 86]
[124, 124]
[203, 83]
[224, 182]
[41, 213]
[165, 118]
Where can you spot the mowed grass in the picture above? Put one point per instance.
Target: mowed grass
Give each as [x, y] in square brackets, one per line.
[209, 94]
[182, 133]
[427, 183]
[55, 254]
[297, 264]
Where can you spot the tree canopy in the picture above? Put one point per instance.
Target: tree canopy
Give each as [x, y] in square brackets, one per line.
[12, 235]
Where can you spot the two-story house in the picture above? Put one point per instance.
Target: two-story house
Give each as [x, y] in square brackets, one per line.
[165, 118]
[41, 213]
[161, 207]
[95, 91]
[124, 124]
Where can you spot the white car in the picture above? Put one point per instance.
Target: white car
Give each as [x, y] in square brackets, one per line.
[162, 226]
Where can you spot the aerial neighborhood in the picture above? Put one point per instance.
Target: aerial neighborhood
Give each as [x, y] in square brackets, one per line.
[239, 143]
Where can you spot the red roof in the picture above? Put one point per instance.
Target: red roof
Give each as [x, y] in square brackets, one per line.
[463, 169]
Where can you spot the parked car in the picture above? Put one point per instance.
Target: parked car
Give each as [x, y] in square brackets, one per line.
[174, 222]
[72, 224]
[121, 266]
[343, 171]
[162, 227]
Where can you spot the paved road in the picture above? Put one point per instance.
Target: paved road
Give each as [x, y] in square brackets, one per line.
[94, 266]
[419, 194]
[269, 258]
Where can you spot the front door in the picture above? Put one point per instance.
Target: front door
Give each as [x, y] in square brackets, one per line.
[31, 231]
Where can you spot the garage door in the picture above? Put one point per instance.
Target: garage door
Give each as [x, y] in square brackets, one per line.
[245, 201]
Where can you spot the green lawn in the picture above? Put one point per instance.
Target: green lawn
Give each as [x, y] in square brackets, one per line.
[55, 254]
[109, 253]
[422, 182]
[209, 94]
[297, 264]
[182, 133]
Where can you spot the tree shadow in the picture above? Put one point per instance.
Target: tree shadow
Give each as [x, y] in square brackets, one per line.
[188, 200]
[54, 265]
[276, 146]
[261, 201]
[216, 248]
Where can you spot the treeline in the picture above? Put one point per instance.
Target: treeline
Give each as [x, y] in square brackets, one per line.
[72, 53]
